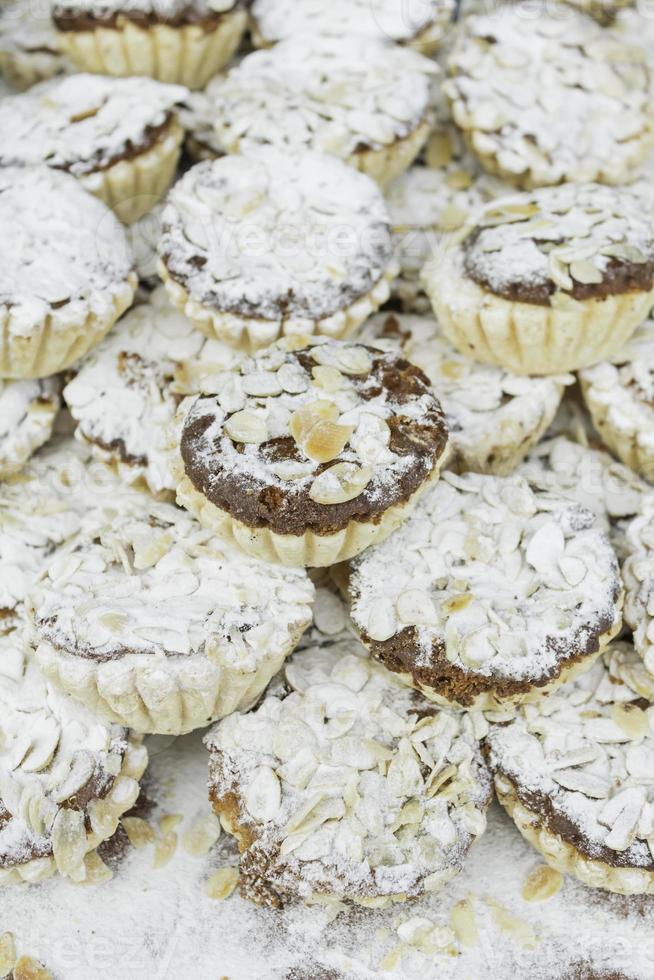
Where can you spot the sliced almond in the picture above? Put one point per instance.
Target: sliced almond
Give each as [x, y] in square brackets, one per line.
[200, 838]
[139, 831]
[164, 849]
[340, 483]
[7, 953]
[326, 441]
[222, 883]
[303, 419]
[246, 427]
[542, 883]
[327, 377]
[463, 920]
[69, 843]
[27, 968]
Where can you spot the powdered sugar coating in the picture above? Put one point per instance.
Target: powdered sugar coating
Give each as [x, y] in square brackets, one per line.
[620, 395]
[159, 9]
[156, 584]
[503, 582]
[591, 478]
[84, 123]
[66, 249]
[395, 20]
[29, 45]
[347, 784]
[41, 509]
[494, 417]
[123, 397]
[27, 413]
[546, 95]
[557, 239]
[638, 574]
[327, 391]
[260, 236]
[587, 752]
[51, 749]
[334, 95]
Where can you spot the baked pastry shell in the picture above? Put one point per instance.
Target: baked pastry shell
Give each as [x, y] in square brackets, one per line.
[189, 54]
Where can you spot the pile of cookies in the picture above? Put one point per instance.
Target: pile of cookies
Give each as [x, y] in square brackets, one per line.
[327, 425]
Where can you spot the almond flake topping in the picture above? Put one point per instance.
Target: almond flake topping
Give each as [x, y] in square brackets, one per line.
[501, 580]
[547, 95]
[596, 774]
[349, 783]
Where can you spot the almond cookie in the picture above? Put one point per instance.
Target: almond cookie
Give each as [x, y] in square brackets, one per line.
[497, 595]
[123, 395]
[353, 97]
[545, 95]
[150, 622]
[254, 247]
[307, 456]
[549, 281]
[420, 24]
[65, 275]
[28, 410]
[638, 573]
[66, 776]
[591, 478]
[494, 417]
[620, 399]
[345, 785]
[185, 41]
[40, 509]
[119, 136]
[575, 774]
[29, 45]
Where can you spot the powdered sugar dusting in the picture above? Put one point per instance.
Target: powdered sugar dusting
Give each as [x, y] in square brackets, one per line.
[261, 236]
[386, 19]
[83, 123]
[346, 790]
[547, 95]
[322, 93]
[589, 749]
[507, 581]
[556, 237]
[27, 413]
[66, 248]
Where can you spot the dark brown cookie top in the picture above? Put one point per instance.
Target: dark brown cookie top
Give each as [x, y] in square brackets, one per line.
[583, 241]
[313, 438]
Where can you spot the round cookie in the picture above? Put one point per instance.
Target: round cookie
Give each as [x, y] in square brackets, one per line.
[150, 622]
[29, 46]
[591, 478]
[497, 595]
[258, 246]
[28, 410]
[418, 24]
[494, 417]
[548, 281]
[185, 41]
[66, 776]
[65, 272]
[307, 456]
[345, 785]
[574, 773]
[638, 572]
[125, 394]
[545, 95]
[41, 509]
[353, 97]
[119, 136]
[620, 398]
